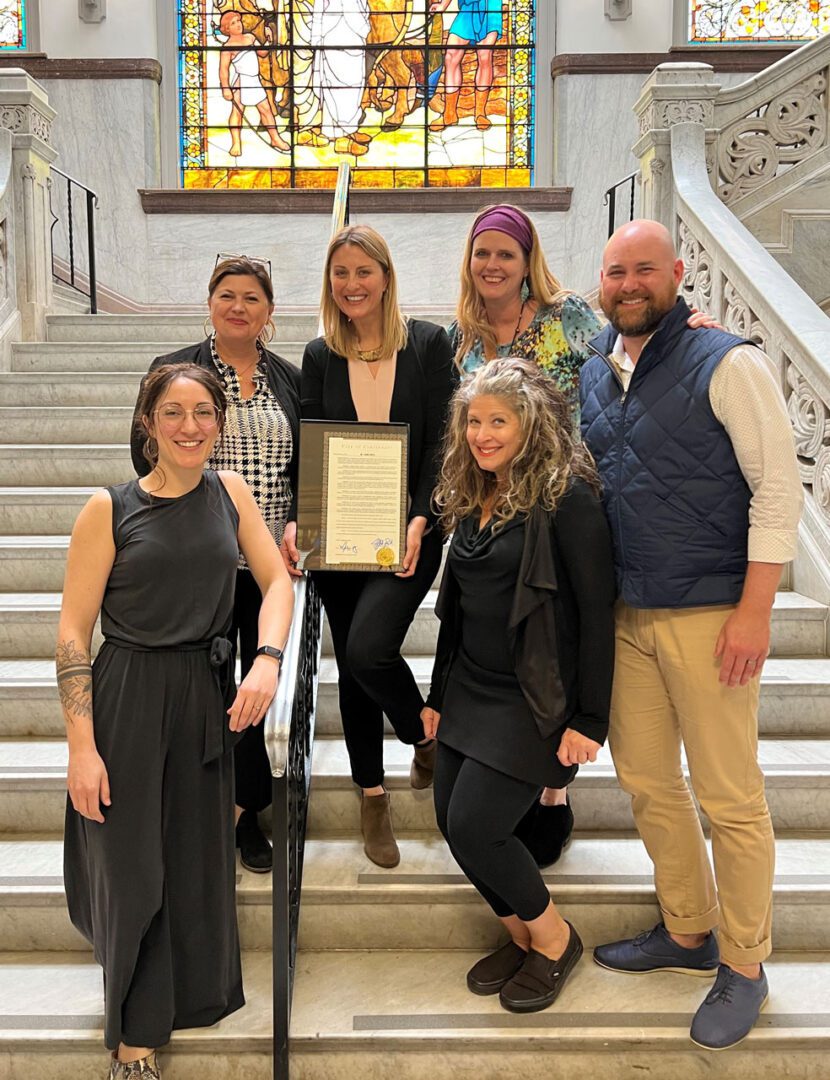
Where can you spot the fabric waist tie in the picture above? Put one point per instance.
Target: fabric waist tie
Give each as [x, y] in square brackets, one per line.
[218, 738]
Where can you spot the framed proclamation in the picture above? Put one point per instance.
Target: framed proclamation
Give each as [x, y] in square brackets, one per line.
[352, 499]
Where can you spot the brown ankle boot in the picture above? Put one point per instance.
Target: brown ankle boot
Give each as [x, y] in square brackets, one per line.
[145, 1068]
[376, 825]
[423, 766]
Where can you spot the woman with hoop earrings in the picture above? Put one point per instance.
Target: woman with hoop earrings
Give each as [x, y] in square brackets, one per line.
[260, 442]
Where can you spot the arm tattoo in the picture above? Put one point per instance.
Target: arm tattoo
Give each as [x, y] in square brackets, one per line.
[74, 672]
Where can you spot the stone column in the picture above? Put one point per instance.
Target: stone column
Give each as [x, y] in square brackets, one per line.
[26, 114]
[672, 94]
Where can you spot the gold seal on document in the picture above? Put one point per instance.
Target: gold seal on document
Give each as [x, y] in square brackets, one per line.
[385, 556]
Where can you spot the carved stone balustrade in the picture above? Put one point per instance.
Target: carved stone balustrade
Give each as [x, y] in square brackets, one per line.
[25, 245]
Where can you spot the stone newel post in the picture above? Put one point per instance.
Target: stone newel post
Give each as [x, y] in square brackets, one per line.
[26, 114]
[672, 94]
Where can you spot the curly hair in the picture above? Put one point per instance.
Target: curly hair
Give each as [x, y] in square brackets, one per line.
[540, 473]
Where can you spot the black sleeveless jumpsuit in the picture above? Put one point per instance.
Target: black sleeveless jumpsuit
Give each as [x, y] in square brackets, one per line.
[153, 888]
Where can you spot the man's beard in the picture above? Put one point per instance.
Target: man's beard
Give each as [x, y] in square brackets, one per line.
[644, 322]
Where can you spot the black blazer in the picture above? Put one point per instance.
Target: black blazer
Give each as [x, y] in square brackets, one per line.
[425, 377]
[561, 625]
[283, 380]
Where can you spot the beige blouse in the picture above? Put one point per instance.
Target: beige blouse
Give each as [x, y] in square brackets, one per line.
[371, 386]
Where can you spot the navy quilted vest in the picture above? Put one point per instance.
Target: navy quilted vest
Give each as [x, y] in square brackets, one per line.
[674, 493]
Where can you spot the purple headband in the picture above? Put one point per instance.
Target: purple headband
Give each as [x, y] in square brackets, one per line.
[508, 220]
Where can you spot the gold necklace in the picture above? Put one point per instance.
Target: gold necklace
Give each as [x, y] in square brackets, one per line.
[370, 356]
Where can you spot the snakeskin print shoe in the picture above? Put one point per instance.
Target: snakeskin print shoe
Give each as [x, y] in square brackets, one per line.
[145, 1068]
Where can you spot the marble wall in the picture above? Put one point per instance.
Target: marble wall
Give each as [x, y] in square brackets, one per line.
[106, 134]
[594, 130]
[128, 30]
[583, 27]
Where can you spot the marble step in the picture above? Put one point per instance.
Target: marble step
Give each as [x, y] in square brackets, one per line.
[178, 329]
[70, 388]
[32, 562]
[32, 512]
[32, 788]
[67, 300]
[62, 465]
[74, 424]
[292, 325]
[797, 783]
[795, 697]
[29, 620]
[374, 1015]
[603, 886]
[57, 356]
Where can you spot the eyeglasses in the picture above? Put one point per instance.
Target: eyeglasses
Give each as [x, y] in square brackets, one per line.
[223, 256]
[171, 417]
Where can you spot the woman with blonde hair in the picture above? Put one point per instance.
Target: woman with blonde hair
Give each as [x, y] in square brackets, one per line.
[373, 365]
[511, 303]
[521, 686]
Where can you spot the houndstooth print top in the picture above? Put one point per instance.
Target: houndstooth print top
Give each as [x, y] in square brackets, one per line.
[257, 443]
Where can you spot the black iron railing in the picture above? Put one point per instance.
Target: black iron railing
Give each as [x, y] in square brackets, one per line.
[610, 200]
[289, 738]
[70, 270]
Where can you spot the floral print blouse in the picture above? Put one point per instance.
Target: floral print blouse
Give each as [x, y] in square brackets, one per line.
[556, 339]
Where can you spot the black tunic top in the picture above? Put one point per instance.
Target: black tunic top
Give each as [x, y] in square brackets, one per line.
[526, 646]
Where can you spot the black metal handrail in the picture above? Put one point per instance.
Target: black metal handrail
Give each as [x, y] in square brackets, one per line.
[91, 205]
[610, 200]
[289, 739]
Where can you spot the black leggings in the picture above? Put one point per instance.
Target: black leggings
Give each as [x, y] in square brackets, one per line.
[369, 615]
[477, 810]
[252, 769]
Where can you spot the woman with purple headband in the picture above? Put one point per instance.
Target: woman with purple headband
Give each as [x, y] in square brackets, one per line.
[512, 305]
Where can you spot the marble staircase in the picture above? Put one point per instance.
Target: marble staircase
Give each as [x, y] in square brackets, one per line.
[380, 973]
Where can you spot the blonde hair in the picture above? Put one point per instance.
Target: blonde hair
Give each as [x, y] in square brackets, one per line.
[471, 315]
[338, 331]
[540, 473]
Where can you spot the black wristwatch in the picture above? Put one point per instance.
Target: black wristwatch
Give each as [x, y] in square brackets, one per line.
[269, 650]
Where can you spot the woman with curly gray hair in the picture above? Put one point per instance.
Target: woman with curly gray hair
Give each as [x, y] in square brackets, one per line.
[521, 686]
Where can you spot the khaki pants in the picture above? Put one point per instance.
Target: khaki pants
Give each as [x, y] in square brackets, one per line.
[666, 690]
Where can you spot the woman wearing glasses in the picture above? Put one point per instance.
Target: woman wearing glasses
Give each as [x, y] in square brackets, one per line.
[260, 442]
[373, 365]
[149, 861]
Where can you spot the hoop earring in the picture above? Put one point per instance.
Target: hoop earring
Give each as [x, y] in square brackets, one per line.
[150, 451]
[207, 326]
[267, 333]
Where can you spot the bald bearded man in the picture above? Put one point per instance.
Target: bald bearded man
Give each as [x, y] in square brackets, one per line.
[695, 450]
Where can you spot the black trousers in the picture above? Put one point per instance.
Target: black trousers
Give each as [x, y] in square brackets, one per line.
[250, 759]
[369, 615]
[477, 809]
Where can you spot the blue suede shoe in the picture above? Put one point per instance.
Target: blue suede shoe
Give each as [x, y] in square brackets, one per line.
[730, 1010]
[654, 950]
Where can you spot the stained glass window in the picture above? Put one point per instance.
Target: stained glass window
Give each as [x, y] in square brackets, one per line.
[13, 30]
[713, 22]
[412, 93]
